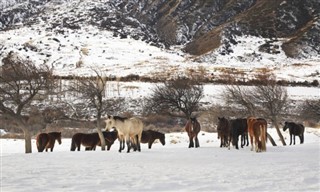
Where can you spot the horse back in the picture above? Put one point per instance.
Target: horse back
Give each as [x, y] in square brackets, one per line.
[192, 127]
[145, 136]
[196, 126]
[297, 129]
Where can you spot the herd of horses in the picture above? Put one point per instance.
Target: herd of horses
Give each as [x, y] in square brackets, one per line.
[129, 132]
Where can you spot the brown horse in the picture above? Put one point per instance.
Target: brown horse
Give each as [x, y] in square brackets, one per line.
[224, 131]
[110, 137]
[193, 127]
[91, 140]
[150, 136]
[47, 140]
[257, 129]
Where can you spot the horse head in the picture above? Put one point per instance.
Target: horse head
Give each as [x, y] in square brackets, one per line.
[109, 122]
[222, 121]
[286, 126]
[162, 139]
[193, 120]
[59, 138]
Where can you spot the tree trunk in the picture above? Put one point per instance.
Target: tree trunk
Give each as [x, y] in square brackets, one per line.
[271, 140]
[275, 123]
[27, 138]
[102, 140]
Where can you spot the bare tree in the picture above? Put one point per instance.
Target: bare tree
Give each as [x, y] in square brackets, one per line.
[22, 82]
[272, 99]
[310, 110]
[178, 98]
[91, 91]
[240, 97]
[269, 100]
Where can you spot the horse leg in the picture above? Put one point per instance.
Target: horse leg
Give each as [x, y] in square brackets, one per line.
[251, 141]
[301, 138]
[150, 143]
[121, 143]
[294, 139]
[236, 140]
[256, 142]
[247, 138]
[191, 142]
[197, 141]
[242, 140]
[138, 143]
[128, 145]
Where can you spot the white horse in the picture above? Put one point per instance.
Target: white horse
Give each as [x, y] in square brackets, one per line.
[128, 128]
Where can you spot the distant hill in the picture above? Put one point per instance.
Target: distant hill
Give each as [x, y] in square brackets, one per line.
[199, 25]
[214, 32]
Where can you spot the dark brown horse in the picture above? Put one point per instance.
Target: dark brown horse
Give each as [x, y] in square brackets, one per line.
[239, 128]
[150, 136]
[91, 140]
[193, 127]
[224, 132]
[110, 137]
[47, 140]
[295, 129]
[257, 129]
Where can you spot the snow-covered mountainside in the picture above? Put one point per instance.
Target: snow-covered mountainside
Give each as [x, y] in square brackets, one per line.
[166, 37]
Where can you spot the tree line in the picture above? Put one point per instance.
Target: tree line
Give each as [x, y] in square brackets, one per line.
[26, 89]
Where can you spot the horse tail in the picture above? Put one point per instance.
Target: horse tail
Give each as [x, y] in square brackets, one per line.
[263, 137]
[40, 143]
[302, 133]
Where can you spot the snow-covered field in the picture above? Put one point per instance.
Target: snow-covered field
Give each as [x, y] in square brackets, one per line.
[172, 167]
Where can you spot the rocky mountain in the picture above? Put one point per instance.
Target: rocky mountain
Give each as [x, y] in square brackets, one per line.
[199, 25]
[205, 30]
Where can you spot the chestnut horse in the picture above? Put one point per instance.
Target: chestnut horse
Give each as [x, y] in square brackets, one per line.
[91, 140]
[295, 129]
[150, 136]
[193, 127]
[257, 129]
[129, 129]
[47, 140]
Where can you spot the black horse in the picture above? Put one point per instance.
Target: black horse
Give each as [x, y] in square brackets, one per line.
[224, 132]
[91, 140]
[239, 127]
[150, 136]
[295, 129]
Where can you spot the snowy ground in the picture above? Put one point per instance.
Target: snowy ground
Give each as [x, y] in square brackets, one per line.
[172, 167]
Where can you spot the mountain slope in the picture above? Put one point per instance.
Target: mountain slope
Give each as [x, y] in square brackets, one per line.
[230, 33]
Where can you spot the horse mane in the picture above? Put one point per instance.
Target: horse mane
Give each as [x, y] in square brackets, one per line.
[55, 133]
[120, 118]
[156, 132]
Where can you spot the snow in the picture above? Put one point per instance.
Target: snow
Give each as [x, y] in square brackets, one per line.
[77, 52]
[172, 167]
